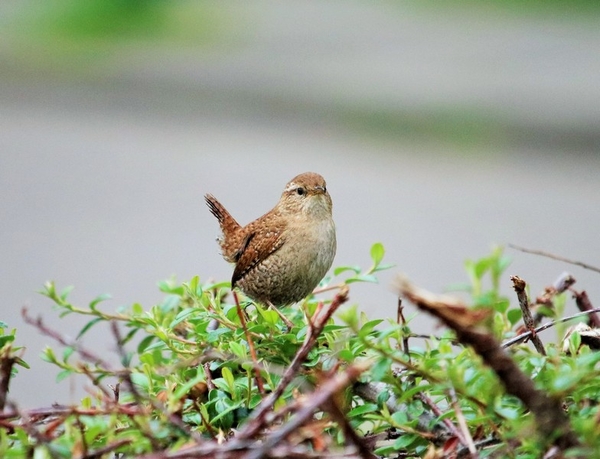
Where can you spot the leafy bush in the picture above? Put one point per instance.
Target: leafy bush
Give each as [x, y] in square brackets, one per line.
[205, 373]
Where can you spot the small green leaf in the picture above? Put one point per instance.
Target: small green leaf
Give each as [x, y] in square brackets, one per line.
[67, 352]
[363, 409]
[405, 440]
[194, 282]
[362, 278]
[574, 342]
[400, 418]
[49, 289]
[381, 369]
[145, 343]
[48, 355]
[346, 355]
[268, 315]
[6, 339]
[340, 269]
[65, 292]
[383, 267]
[137, 309]
[228, 377]
[238, 349]
[184, 314]
[89, 325]
[368, 328]
[377, 252]
[185, 388]
[99, 299]
[63, 374]
[140, 380]
[20, 361]
[514, 315]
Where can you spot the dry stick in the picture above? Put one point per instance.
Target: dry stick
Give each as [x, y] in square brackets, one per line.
[38, 414]
[258, 377]
[552, 422]
[519, 286]
[317, 398]
[256, 420]
[584, 304]
[6, 363]
[555, 257]
[401, 320]
[447, 422]
[524, 336]
[350, 434]
[467, 439]
[560, 285]
[108, 448]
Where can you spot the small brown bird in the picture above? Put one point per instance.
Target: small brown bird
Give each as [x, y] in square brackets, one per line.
[282, 256]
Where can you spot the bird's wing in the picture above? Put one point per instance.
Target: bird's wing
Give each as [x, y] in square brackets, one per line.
[255, 249]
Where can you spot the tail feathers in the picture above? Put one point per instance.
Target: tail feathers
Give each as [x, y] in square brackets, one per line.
[217, 209]
[230, 228]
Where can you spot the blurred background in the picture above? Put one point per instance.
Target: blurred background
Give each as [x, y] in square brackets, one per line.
[442, 130]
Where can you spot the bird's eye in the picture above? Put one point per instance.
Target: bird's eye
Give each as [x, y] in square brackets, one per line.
[300, 191]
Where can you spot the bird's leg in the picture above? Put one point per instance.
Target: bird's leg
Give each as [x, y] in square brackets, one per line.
[287, 321]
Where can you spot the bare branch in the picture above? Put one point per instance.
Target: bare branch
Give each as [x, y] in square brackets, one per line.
[555, 257]
[519, 286]
[524, 336]
[584, 304]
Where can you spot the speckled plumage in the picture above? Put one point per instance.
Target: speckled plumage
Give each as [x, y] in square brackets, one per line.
[282, 256]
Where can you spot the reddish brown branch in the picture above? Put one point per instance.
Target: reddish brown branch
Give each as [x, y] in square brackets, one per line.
[259, 382]
[584, 304]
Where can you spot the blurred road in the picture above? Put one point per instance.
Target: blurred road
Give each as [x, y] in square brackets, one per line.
[102, 176]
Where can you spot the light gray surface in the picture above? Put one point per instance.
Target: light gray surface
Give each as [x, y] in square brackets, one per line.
[102, 182]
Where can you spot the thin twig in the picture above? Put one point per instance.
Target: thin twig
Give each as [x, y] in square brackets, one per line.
[401, 320]
[436, 410]
[555, 257]
[524, 336]
[7, 360]
[259, 382]
[584, 304]
[336, 413]
[519, 286]
[465, 436]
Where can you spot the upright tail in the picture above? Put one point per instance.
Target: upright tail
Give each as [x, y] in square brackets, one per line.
[229, 227]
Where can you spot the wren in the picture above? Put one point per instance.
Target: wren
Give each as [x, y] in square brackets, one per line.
[282, 256]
